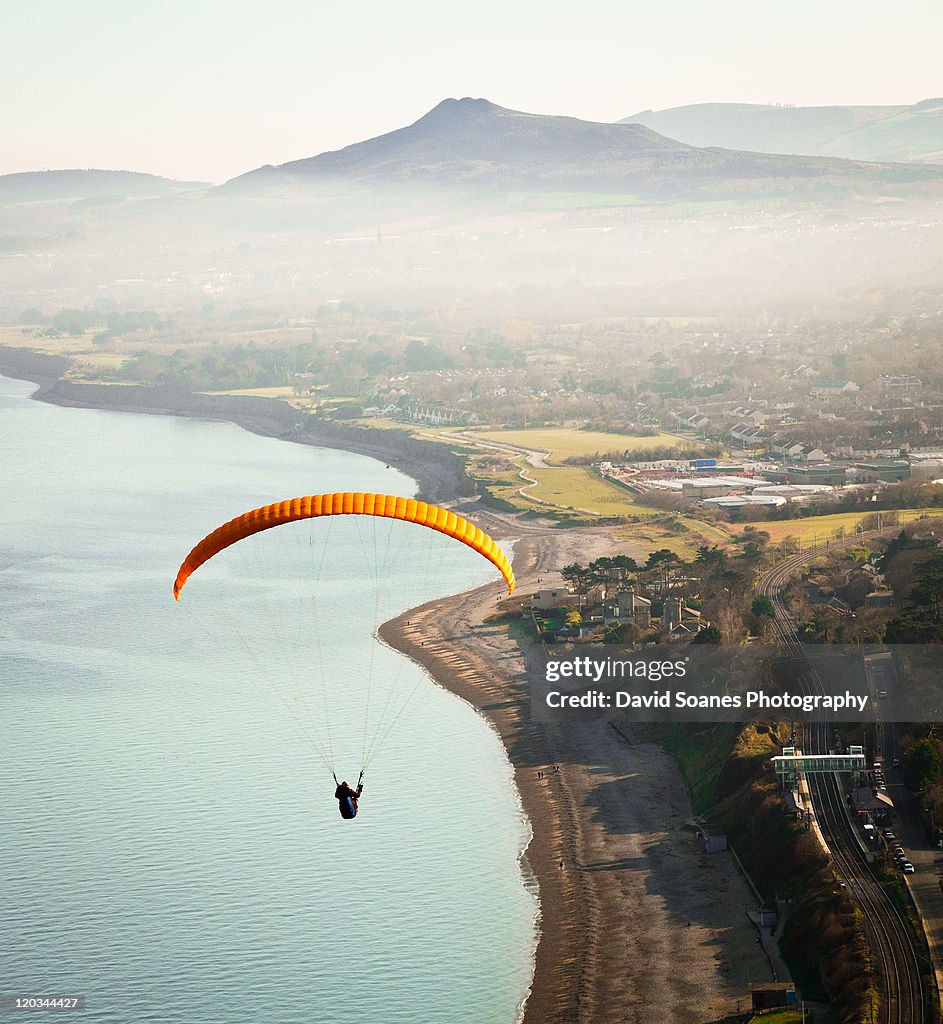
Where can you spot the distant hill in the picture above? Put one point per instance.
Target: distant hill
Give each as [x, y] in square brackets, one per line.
[39, 186]
[900, 134]
[475, 145]
[474, 141]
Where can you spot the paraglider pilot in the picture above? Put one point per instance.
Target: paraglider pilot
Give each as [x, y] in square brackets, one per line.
[347, 798]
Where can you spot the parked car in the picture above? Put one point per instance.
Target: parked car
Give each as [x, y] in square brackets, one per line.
[907, 867]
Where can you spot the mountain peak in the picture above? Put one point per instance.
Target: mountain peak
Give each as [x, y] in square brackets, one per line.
[474, 141]
[452, 107]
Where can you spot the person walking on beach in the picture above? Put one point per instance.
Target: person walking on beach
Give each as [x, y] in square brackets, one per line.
[347, 797]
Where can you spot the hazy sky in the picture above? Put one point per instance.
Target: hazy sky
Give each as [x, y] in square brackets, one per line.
[208, 89]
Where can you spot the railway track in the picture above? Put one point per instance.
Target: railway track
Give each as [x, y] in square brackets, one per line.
[898, 962]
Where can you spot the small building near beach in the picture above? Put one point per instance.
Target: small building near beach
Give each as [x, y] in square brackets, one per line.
[712, 838]
[767, 995]
[552, 597]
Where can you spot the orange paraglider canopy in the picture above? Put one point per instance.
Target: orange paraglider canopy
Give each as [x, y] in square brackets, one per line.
[345, 503]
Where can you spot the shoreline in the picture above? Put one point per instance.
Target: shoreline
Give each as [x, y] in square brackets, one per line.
[603, 813]
[437, 471]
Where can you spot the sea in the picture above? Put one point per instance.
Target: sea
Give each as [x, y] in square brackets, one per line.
[170, 846]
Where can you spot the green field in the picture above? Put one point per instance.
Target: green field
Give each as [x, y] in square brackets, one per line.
[90, 358]
[817, 529]
[275, 392]
[562, 443]
[711, 533]
[582, 489]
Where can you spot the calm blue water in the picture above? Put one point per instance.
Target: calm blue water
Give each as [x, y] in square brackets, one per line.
[169, 845]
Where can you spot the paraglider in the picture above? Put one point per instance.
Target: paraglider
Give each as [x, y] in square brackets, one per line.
[347, 797]
[387, 506]
[313, 507]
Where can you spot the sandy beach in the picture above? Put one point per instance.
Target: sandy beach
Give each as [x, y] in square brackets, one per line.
[636, 925]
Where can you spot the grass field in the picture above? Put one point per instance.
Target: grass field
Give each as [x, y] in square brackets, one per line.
[562, 443]
[276, 392]
[81, 347]
[639, 540]
[580, 487]
[816, 529]
[707, 533]
[27, 336]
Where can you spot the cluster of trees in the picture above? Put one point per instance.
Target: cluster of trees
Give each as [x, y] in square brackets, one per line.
[922, 759]
[921, 619]
[108, 323]
[215, 369]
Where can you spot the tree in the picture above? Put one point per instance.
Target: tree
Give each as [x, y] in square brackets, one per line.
[620, 569]
[579, 577]
[663, 564]
[763, 606]
[710, 556]
[928, 594]
[922, 764]
[422, 356]
[624, 633]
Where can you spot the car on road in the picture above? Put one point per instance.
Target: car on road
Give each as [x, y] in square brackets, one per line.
[907, 868]
[888, 834]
